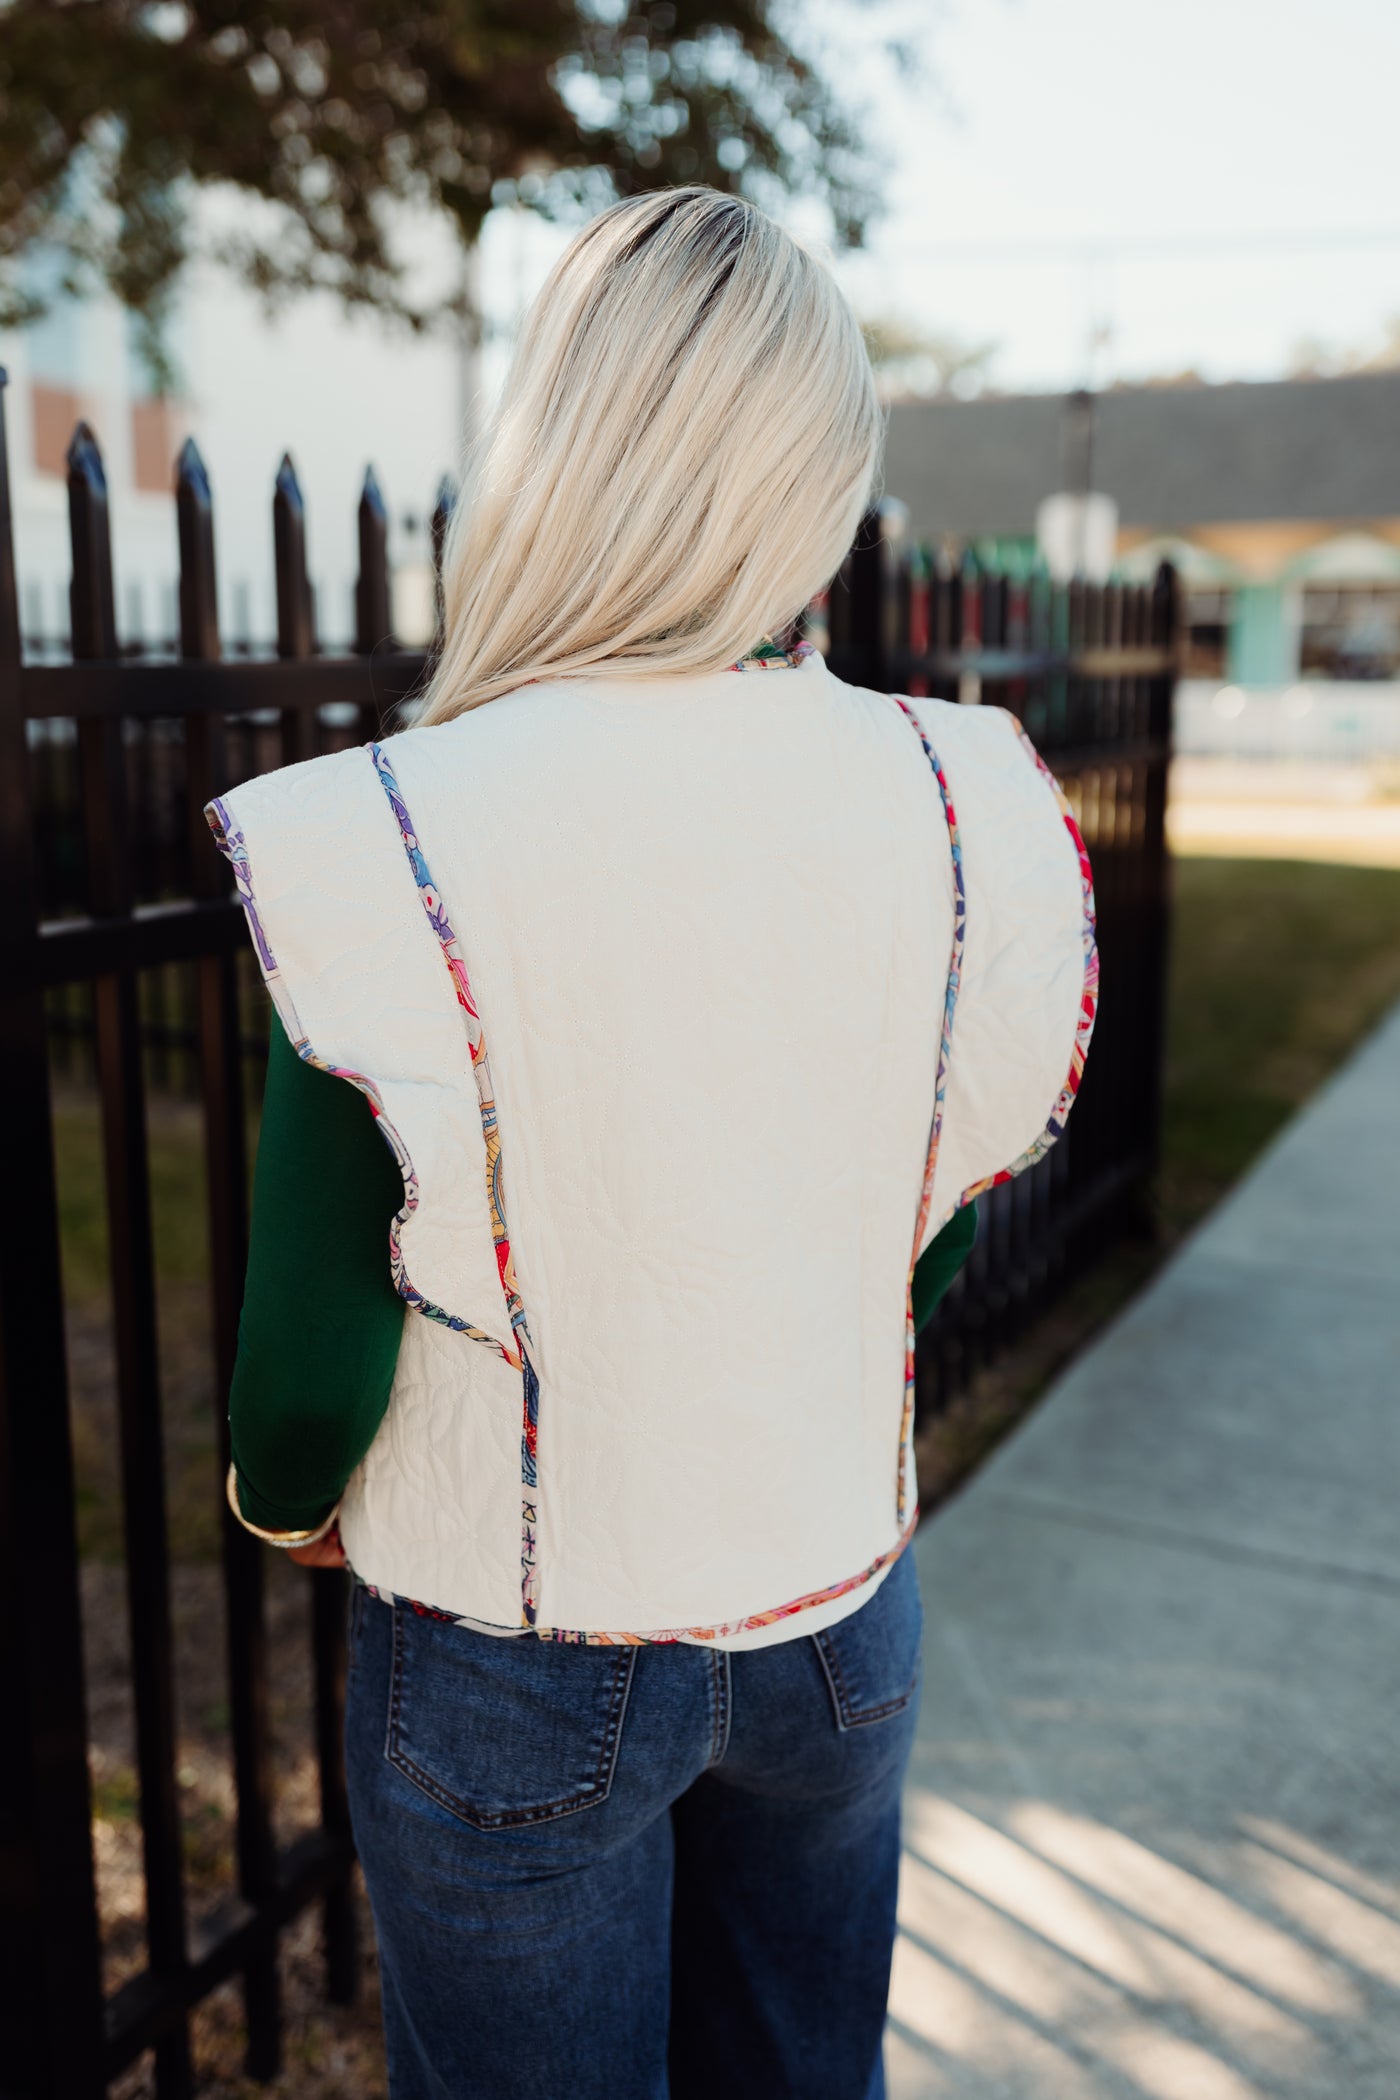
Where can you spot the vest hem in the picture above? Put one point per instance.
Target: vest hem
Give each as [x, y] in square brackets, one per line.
[718, 1631]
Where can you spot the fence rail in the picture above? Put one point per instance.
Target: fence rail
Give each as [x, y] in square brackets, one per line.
[109, 894]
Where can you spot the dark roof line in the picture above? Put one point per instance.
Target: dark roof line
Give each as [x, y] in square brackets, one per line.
[1172, 457]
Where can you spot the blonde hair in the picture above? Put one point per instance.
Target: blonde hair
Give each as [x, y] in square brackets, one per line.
[684, 446]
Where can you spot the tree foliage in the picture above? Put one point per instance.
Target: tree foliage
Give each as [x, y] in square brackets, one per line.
[919, 364]
[113, 113]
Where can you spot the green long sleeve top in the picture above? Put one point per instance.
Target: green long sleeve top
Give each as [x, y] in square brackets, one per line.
[319, 1336]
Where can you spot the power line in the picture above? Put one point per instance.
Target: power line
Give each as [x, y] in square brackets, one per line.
[1155, 246]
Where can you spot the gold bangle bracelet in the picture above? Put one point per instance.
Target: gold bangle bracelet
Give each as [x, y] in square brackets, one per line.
[275, 1538]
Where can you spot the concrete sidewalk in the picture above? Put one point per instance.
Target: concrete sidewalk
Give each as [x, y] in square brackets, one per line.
[1153, 1825]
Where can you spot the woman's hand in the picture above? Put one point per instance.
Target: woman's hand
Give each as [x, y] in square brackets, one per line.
[324, 1553]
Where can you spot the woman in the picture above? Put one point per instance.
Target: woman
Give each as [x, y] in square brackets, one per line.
[775, 974]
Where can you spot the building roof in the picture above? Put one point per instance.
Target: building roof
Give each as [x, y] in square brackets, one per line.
[1172, 457]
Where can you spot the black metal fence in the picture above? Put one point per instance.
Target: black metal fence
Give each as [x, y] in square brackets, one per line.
[102, 889]
[123, 949]
[1090, 670]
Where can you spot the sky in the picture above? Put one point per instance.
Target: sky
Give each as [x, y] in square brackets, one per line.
[1107, 189]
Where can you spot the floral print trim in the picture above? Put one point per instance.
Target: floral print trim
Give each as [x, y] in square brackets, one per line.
[1088, 1001]
[521, 1356]
[905, 1517]
[756, 1619]
[720, 1631]
[940, 1089]
[769, 657]
[766, 657]
[232, 844]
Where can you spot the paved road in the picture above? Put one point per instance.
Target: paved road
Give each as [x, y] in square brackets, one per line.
[1153, 1825]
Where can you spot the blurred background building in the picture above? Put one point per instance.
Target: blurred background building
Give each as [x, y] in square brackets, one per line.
[250, 384]
[1278, 502]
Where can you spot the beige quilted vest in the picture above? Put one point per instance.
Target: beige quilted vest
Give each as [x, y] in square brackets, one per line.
[691, 1009]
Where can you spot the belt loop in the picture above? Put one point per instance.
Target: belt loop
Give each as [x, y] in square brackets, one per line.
[722, 1693]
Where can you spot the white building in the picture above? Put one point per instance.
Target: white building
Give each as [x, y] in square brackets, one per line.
[337, 390]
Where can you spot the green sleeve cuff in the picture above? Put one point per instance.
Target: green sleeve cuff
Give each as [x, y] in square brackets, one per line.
[279, 1516]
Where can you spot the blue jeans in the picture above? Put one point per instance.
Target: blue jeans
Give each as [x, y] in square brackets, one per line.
[659, 1873]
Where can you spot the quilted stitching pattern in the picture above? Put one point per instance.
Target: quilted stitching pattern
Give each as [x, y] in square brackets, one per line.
[708, 924]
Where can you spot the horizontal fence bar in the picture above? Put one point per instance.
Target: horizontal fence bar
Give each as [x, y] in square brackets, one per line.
[142, 691]
[1071, 759]
[991, 663]
[165, 691]
[147, 2007]
[72, 951]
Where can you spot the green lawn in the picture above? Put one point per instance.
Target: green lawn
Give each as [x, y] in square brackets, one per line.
[1278, 969]
[190, 1419]
[174, 1151]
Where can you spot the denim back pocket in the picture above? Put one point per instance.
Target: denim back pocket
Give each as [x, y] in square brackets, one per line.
[501, 1731]
[870, 1659]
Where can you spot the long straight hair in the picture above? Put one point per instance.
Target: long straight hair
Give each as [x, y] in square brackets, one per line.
[682, 451]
